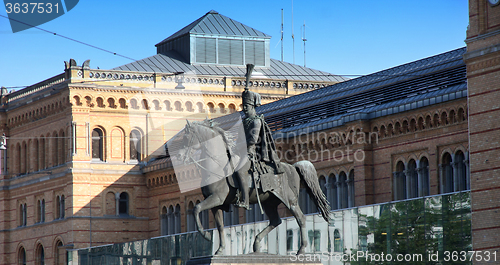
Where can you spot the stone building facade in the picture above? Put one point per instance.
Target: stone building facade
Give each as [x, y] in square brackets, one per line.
[76, 143]
[483, 75]
[394, 135]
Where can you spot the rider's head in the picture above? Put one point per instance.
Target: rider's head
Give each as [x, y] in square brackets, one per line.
[250, 101]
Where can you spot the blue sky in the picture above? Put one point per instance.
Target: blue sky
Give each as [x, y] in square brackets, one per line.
[344, 37]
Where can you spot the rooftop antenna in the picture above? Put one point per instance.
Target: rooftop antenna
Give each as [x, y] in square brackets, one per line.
[293, 38]
[282, 34]
[304, 40]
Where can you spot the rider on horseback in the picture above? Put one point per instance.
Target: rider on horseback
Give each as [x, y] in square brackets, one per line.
[260, 144]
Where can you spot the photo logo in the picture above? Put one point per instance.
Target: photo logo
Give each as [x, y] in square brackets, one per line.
[26, 14]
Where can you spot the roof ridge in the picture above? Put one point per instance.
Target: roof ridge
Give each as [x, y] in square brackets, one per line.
[373, 78]
[198, 24]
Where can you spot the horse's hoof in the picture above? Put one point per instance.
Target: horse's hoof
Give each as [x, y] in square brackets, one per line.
[220, 251]
[256, 248]
[301, 251]
[207, 236]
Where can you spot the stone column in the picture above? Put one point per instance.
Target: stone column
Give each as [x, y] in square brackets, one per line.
[117, 203]
[339, 194]
[456, 181]
[467, 171]
[441, 178]
[350, 195]
[395, 185]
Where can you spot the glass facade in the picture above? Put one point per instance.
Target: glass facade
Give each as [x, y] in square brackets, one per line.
[430, 230]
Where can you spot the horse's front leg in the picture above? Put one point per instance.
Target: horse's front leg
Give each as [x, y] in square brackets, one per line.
[271, 209]
[209, 203]
[219, 221]
[301, 221]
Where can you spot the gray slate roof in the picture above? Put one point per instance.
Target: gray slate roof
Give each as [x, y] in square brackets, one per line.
[410, 86]
[214, 23]
[171, 62]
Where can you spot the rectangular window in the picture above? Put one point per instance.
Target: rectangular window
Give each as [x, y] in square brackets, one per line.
[205, 50]
[230, 52]
[255, 52]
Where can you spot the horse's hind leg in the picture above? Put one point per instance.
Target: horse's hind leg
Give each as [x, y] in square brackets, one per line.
[271, 209]
[219, 221]
[209, 203]
[301, 220]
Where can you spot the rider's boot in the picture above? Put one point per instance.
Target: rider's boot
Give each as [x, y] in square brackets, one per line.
[245, 190]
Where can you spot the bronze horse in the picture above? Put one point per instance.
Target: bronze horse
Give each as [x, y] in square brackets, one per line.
[219, 195]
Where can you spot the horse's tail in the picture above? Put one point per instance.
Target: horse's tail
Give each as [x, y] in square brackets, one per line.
[308, 173]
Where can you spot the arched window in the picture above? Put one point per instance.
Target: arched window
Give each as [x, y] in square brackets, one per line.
[59, 254]
[164, 221]
[447, 181]
[203, 217]
[322, 185]
[145, 104]
[59, 214]
[97, 145]
[177, 216]
[461, 172]
[199, 107]
[36, 156]
[211, 107]
[133, 103]
[170, 221]
[167, 105]
[190, 217]
[55, 141]
[255, 215]
[231, 217]
[43, 163]
[413, 179]
[189, 106]
[100, 102]
[22, 214]
[21, 256]
[39, 255]
[232, 108]
[111, 103]
[423, 172]
[332, 192]
[222, 108]
[399, 180]
[63, 207]
[178, 106]
[135, 145]
[420, 124]
[123, 204]
[343, 191]
[123, 103]
[58, 207]
[435, 120]
[337, 241]
[304, 200]
[62, 144]
[350, 186]
[40, 212]
[25, 158]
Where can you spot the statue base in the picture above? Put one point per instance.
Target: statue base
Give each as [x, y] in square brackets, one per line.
[252, 258]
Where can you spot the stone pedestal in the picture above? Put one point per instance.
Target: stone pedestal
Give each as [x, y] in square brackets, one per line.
[251, 259]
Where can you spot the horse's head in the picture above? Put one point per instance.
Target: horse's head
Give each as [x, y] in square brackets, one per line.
[190, 141]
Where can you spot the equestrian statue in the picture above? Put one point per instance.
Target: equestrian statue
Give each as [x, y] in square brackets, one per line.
[260, 178]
